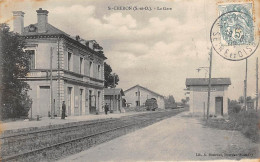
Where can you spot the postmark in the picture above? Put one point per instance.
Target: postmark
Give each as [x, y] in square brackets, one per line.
[233, 34]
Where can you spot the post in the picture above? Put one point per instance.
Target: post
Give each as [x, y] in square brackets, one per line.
[52, 114]
[114, 96]
[59, 109]
[256, 103]
[209, 86]
[245, 90]
[31, 112]
[204, 106]
[139, 102]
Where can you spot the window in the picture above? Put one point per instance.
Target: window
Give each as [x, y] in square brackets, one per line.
[69, 61]
[81, 65]
[137, 93]
[91, 69]
[32, 59]
[99, 72]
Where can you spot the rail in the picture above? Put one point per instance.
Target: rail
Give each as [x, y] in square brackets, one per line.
[75, 144]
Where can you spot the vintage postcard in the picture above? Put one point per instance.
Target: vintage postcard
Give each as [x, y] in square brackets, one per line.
[129, 80]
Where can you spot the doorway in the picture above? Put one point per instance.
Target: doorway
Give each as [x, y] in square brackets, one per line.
[92, 103]
[219, 106]
[69, 100]
[98, 101]
[80, 101]
[44, 100]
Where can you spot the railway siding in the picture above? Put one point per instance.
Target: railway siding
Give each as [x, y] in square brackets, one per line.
[56, 141]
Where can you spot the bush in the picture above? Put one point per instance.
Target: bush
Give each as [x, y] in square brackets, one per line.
[247, 122]
[234, 107]
[244, 121]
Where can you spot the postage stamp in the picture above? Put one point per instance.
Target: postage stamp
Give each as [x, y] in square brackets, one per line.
[234, 35]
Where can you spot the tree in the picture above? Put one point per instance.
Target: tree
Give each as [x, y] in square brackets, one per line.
[233, 106]
[248, 98]
[109, 77]
[170, 102]
[183, 101]
[14, 65]
[241, 99]
[171, 99]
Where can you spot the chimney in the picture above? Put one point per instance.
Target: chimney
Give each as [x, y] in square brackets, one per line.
[42, 16]
[18, 21]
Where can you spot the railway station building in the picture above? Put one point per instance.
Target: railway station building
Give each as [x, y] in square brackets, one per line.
[77, 68]
[137, 96]
[198, 95]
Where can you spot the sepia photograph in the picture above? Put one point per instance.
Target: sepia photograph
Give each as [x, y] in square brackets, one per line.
[129, 80]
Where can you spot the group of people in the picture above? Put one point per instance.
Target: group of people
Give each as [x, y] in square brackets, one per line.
[63, 113]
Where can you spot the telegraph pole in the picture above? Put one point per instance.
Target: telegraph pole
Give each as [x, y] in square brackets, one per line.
[114, 96]
[52, 113]
[209, 86]
[256, 103]
[59, 76]
[245, 91]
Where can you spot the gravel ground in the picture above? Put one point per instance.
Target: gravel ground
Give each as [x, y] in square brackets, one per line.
[177, 138]
[45, 121]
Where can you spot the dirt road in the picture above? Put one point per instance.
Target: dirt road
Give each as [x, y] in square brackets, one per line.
[176, 138]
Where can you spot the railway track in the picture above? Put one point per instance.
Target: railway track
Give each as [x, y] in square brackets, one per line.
[55, 143]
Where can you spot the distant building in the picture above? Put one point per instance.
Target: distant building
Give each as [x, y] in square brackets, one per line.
[137, 95]
[113, 97]
[77, 68]
[198, 88]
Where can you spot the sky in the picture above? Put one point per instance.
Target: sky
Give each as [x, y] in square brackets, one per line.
[157, 49]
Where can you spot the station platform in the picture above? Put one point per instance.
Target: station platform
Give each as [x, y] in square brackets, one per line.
[47, 121]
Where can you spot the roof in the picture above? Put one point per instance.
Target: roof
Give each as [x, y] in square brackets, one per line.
[144, 89]
[205, 81]
[112, 91]
[50, 30]
[53, 31]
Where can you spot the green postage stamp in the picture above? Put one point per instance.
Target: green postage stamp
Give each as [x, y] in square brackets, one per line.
[234, 35]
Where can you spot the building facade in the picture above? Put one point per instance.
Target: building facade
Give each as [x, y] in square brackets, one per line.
[137, 96]
[198, 95]
[62, 68]
[113, 97]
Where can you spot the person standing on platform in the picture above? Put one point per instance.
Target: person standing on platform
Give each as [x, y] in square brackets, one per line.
[63, 110]
[106, 108]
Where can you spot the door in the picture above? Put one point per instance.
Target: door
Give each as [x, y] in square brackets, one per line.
[92, 103]
[80, 101]
[98, 101]
[69, 101]
[219, 105]
[118, 103]
[44, 100]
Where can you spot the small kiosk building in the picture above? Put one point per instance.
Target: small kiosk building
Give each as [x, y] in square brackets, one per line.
[198, 88]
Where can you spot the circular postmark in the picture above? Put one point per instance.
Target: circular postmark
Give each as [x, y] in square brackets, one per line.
[233, 36]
